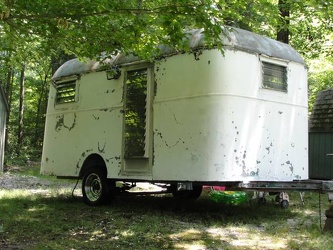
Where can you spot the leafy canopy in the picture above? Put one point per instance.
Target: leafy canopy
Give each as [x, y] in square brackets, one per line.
[87, 28]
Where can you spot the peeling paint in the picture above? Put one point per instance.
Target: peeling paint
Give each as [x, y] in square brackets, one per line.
[60, 123]
[194, 158]
[159, 134]
[255, 173]
[82, 158]
[112, 91]
[101, 149]
[174, 117]
[269, 148]
[240, 161]
[166, 144]
[112, 158]
[291, 167]
[197, 55]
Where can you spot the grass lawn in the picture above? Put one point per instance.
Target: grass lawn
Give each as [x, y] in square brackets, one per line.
[54, 219]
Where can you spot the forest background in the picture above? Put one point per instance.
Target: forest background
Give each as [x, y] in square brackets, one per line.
[37, 36]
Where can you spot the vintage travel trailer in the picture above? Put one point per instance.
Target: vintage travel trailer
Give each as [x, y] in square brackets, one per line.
[184, 120]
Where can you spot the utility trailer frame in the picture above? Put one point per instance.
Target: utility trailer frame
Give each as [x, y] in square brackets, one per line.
[321, 186]
[297, 185]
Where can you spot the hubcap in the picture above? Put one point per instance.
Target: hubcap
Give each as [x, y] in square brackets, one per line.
[93, 187]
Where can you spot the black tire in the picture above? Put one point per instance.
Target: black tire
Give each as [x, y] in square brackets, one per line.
[284, 204]
[96, 188]
[262, 200]
[187, 194]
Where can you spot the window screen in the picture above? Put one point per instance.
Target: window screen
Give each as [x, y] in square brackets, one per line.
[274, 77]
[66, 92]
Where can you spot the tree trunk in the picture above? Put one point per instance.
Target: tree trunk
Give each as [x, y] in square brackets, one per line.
[21, 113]
[41, 110]
[283, 29]
[8, 92]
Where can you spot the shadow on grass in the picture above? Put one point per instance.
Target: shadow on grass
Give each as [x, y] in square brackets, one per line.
[137, 222]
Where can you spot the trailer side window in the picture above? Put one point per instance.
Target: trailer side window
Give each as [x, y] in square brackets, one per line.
[136, 114]
[274, 76]
[66, 92]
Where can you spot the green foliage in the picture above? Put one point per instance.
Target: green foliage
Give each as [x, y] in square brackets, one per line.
[41, 34]
[36, 92]
[318, 82]
[87, 28]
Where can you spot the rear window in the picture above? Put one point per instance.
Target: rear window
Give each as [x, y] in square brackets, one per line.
[274, 76]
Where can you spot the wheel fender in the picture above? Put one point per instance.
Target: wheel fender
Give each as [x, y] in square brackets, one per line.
[93, 161]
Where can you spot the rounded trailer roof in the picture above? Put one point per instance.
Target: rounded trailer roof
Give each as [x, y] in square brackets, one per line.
[234, 38]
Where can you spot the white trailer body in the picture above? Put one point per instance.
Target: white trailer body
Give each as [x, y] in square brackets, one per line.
[206, 116]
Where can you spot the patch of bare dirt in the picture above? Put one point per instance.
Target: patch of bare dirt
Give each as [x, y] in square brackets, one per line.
[13, 178]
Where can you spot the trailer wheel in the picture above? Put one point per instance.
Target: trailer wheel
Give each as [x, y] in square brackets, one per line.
[262, 200]
[284, 204]
[95, 187]
[188, 194]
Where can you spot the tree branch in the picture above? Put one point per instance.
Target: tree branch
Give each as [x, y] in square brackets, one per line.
[167, 9]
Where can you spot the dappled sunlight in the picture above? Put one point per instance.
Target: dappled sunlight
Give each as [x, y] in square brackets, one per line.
[248, 237]
[19, 193]
[127, 233]
[15, 193]
[188, 239]
[309, 212]
[192, 246]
